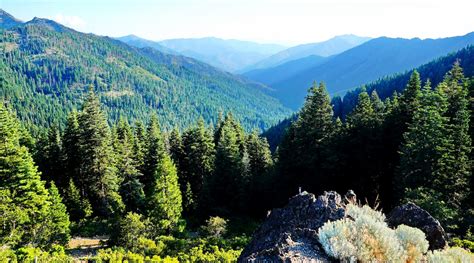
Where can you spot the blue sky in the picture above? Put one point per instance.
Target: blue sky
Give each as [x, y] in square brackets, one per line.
[268, 21]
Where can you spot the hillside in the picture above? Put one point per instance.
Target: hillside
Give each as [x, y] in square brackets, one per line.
[326, 48]
[367, 62]
[46, 68]
[227, 54]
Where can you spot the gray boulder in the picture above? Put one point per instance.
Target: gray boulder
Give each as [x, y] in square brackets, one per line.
[414, 216]
[289, 234]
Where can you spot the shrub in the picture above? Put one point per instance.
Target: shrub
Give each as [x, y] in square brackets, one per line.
[131, 228]
[413, 242]
[30, 254]
[149, 247]
[463, 243]
[7, 255]
[364, 236]
[453, 254]
[215, 226]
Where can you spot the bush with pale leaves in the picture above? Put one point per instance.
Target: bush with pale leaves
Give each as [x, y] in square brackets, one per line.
[365, 237]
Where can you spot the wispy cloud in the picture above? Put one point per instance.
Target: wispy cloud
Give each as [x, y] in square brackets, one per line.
[71, 21]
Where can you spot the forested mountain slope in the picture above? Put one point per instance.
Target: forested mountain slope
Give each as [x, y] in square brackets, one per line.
[367, 62]
[46, 68]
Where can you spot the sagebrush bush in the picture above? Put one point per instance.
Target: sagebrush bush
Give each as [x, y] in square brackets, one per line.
[364, 236]
[453, 254]
[413, 242]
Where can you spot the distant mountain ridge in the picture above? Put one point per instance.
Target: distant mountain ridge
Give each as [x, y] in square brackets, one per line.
[8, 21]
[365, 63]
[141, 42]
[326, 48]
[284, 71]
[227, 54]
[46, 68]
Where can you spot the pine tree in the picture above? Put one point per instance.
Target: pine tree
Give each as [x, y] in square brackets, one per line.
[131, 189]
[226, 183]
[51, 158]
[164, 201]
[154, 151]
[97, 168]
[78, 207]
[139, 143]
[29, 203]
[71, 153]
[424, 149]
[198, 160]
[306, 154]
[455, 181]
[260, 165]
[260, 157]
[58, 218]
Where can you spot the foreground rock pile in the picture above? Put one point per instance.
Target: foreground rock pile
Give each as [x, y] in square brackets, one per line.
[289, 234]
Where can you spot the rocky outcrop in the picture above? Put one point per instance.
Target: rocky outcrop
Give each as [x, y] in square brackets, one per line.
[290, 234]
[414, 216]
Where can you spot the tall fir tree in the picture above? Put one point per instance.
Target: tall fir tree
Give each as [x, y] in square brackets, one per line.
[131, 189]
[97, 168]
[29, 204]
[425, 146]
[51, 159]
[165, 200]
[455, 181]
[301, 163]
[198, 159]
[58, 218]
[154, 151]
[225, 185]
[71, 153]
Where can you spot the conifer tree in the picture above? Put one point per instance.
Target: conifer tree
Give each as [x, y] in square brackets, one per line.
[58, 218]
[154, 151]
[78, 207]
[424, 149]
[28, 201]
[139, 143]
[456, 174]
[71, 153]
[260, 164]
[51, 159]
[176, 150]
[228, 178]
[97, 168]
[311, 133]
[131, 189]
[198, 160]
[165, 201]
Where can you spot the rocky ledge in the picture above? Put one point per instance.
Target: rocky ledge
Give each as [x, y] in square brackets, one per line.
[289, 234]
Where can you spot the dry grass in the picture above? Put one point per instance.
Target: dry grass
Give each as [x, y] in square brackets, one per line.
[80, 242]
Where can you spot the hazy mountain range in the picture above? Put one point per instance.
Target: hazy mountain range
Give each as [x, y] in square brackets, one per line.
[227, 54]
[356, 66]
[326, 48]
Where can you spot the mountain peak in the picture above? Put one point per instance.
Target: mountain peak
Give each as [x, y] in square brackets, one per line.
[7, 20]
[48, 23]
